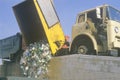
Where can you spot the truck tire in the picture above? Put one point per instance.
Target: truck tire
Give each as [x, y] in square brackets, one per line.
[82, 46]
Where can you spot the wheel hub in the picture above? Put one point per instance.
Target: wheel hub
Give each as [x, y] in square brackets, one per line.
[82, 50]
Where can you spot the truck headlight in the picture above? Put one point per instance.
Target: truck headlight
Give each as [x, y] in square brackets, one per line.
[116, 29]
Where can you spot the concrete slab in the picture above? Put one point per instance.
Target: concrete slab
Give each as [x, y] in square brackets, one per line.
[84, 67]
[72, 67]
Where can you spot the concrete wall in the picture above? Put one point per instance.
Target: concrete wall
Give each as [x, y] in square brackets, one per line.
[73, 67]
[84, 67]
[2, 70]
[11, 69]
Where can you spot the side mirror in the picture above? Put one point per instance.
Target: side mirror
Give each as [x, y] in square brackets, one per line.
[98, 13]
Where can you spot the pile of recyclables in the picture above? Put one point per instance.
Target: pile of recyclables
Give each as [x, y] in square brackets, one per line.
[35, 59]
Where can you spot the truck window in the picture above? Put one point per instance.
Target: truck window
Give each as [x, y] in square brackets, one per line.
[48, 12]
[81, 18]
[113, 14]
[93, 16]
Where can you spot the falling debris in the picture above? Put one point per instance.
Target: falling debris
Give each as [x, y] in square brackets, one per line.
[35, 59]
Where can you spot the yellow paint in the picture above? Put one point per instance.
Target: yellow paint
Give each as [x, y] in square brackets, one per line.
[54, 33]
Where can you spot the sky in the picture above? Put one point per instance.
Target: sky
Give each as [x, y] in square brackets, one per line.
[67, 11]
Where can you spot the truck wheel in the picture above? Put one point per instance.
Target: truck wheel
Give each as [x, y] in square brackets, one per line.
[82, 45]
[85, 48]
[82, 49]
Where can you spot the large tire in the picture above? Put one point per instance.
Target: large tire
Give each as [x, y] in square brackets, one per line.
[83, 46]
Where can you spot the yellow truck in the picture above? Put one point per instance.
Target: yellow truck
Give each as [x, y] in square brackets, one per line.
[97, 31]
[38, 21]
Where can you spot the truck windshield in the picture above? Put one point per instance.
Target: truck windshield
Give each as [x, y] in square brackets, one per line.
[113, 14]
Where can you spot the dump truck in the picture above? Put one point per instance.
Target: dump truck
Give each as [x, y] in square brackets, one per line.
[38, 20]
[10, 46]
[97, 31]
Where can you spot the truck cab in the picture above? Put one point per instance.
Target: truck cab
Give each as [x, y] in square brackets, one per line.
[97, 31]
